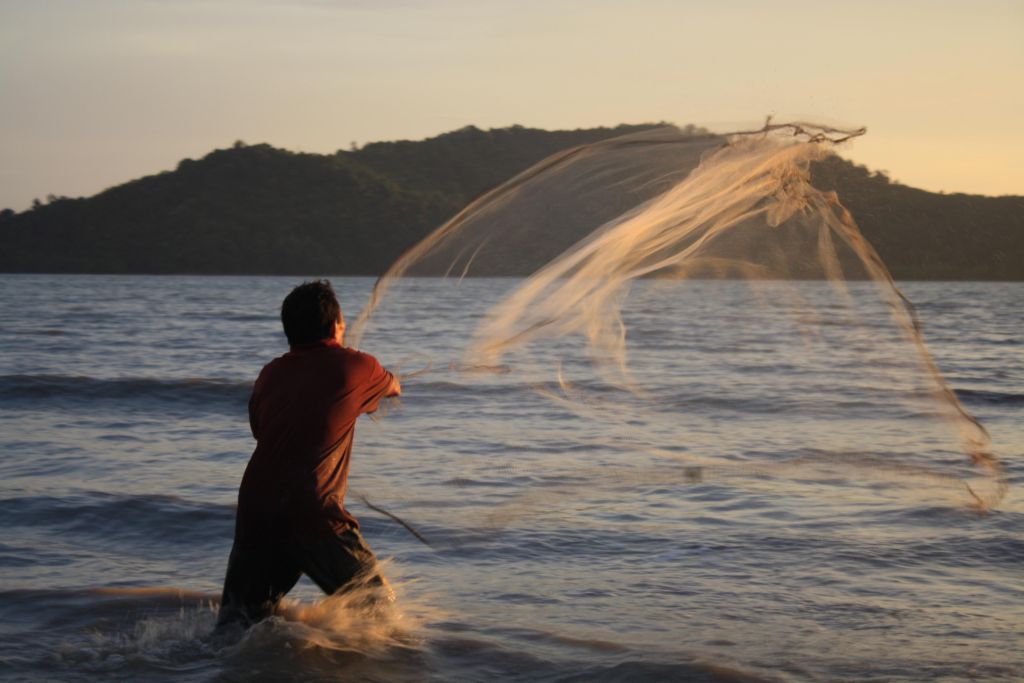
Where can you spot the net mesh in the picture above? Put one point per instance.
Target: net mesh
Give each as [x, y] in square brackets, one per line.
[694, 300]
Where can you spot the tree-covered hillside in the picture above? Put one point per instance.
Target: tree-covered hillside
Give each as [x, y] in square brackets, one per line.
[249, 209]
[927, 236]
[257, 209]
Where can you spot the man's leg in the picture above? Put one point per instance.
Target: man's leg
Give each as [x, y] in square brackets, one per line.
[343, 563]
[257, 578]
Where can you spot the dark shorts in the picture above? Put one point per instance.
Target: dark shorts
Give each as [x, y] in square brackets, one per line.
[260, 573]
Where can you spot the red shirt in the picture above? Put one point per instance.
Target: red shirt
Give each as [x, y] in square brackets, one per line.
[303, 414]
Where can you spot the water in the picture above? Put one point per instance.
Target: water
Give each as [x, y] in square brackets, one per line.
[557, 553]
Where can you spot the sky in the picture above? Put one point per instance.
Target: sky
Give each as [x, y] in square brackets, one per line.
[94, 93]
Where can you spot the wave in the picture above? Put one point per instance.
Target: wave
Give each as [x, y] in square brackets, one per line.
[641, 670]
[834, 402]
[138, 519]
[29, 390]
[978, 396]
[147, 633]
[25, 391]
[150, 521]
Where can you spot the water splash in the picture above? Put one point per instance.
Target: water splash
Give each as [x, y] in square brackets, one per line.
[133, 632]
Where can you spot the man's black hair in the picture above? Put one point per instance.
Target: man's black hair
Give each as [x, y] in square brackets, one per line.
[309, 312]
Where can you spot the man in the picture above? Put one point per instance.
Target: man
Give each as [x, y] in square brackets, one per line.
[291, 515]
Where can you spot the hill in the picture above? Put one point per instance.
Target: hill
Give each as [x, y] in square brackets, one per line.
[255, 209]
[929, 236]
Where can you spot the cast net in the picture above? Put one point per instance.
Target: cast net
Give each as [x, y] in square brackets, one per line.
[686, 307]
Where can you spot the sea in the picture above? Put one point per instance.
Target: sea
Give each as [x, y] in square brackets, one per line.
[526, 540]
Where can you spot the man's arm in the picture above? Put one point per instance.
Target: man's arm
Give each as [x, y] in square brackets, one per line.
[375, 383]
[393, 390]
[253, 422]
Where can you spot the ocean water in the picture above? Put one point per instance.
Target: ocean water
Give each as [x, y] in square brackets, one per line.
[562, 546]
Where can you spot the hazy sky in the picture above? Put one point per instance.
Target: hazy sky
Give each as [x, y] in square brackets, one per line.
[97, 92]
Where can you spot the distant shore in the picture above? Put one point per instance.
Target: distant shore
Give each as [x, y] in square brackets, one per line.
[255, 209]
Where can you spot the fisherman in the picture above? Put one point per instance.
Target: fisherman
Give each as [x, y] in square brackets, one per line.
[291, 515]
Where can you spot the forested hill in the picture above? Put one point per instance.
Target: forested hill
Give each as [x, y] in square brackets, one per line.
[261, 210]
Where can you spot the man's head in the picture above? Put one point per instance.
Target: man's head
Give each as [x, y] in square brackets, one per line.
[310, 313]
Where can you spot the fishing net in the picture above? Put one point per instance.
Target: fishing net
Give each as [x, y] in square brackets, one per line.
[665, 308]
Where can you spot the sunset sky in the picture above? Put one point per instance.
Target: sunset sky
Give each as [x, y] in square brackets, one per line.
[95, 93]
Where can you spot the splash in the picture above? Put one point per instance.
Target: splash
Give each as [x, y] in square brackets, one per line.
[132, 632]
[624, 248]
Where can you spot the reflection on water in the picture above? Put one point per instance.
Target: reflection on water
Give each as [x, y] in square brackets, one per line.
[748, 522]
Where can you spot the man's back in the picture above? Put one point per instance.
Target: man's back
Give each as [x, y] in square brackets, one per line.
[291, 516]
[303, 412]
